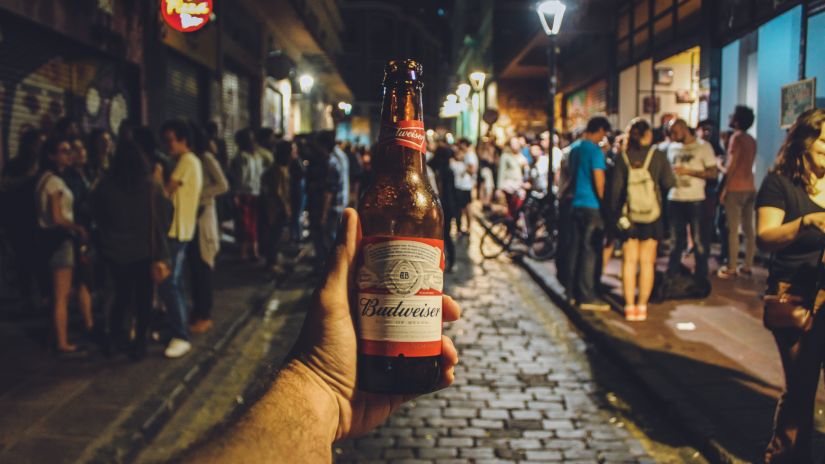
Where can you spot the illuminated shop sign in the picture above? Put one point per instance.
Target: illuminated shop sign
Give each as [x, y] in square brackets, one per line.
[186, 16]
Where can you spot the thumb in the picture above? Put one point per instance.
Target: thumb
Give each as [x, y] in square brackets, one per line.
[343, 257]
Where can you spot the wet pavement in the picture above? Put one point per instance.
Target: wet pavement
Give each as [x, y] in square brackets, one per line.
[97, 409]
[709, 363]
[525, 390]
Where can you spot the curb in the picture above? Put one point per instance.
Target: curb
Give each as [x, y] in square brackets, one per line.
[149, 418]
[669, 398]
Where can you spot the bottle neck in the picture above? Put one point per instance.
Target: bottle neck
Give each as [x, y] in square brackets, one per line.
[401, 129]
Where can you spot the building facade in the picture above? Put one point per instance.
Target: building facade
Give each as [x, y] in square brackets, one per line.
[657, 59]
[102, 62]
[379, 31]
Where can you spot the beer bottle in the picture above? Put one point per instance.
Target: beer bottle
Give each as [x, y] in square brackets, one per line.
[400, 269]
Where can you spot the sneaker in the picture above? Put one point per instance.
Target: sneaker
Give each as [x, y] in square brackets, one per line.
[630, 313]
[200, 326]
[177, 348]
[595, 305]
[725, 272]
[641, 313]
[745, 271]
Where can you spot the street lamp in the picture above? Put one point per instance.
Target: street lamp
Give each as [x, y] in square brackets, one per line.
[306, 82]
[551, 13]
[463, 91]
[477, 80]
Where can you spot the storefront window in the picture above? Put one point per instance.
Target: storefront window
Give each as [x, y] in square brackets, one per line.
[663, 29]
[661, 5]
[815, 65]
[623, 28]
[689, 15]
[640, 44]
[640, 14]
[754, 69]
[623, 52]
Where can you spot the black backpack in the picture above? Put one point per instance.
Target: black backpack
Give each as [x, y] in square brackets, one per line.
[682, 285]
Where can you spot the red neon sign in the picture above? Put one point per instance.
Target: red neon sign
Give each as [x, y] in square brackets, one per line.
[186, 15]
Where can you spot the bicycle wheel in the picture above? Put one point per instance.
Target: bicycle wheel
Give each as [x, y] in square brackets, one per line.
[544, 243]
[495, 240]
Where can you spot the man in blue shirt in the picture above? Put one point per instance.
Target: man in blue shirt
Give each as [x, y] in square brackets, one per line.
[587, 167]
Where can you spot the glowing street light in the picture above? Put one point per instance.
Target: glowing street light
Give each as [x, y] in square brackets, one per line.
[477, 80]
[463, 91]
[551, 13]
[345, 107]
[306, 82]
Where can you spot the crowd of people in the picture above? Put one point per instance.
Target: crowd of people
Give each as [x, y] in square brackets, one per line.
[128, 226]
[643, 185]
[635, 187]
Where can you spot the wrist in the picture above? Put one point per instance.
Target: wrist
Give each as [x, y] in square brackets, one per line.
[317, 397]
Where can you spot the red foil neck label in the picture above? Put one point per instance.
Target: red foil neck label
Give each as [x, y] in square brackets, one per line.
[408, 134]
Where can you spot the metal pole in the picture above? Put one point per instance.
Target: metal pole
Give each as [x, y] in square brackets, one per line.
[478, 121]
[551, 111]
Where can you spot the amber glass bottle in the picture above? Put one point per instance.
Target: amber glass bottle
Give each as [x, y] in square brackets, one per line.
[401, 260]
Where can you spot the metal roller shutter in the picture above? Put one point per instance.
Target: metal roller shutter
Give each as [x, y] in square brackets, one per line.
[35, 82]
[236, 115]
[182, 93]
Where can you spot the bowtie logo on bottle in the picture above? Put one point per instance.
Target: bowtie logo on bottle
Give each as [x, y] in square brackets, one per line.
[400, 264]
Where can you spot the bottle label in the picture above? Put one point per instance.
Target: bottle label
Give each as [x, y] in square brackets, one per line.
[408, 134]
[400, 282]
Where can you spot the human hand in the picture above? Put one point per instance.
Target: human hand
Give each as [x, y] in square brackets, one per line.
[682, 171]
[327, 347]
[816, 220]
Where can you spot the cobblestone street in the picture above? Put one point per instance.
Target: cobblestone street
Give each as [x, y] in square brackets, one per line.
[524, 388]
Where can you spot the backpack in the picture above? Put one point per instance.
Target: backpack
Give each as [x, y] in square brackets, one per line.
[681, 285]
[642, 204]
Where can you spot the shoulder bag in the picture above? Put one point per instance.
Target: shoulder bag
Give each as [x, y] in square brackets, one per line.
[786, 311]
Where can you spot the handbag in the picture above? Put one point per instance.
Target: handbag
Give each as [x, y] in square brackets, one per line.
[160, 269]
[784, 310]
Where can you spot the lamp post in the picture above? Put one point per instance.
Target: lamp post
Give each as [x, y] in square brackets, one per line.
[477, 79]
[551, 13]
[463, 91]
[305, 82]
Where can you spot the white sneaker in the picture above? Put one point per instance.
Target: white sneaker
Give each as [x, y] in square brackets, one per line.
[177, 348]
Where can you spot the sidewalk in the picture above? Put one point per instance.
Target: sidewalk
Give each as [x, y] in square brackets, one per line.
[76, 410]
[710, 363]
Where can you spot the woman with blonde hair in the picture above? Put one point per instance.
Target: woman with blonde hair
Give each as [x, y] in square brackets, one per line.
[642, 177]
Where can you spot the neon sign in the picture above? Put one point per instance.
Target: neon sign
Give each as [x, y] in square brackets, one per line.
[186, 15]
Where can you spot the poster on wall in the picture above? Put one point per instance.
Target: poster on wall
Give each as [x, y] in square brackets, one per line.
[797, 98]
[586, 103]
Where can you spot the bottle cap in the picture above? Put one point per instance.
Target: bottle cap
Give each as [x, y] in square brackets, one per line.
[403, 72]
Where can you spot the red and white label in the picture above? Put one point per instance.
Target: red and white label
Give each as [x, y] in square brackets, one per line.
[400, 282]
[408, 134]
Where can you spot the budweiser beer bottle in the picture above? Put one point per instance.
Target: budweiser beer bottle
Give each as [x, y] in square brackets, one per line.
[401, 261]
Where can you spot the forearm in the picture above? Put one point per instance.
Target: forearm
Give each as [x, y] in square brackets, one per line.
[776, 238]
[295, 421]
[708, 173]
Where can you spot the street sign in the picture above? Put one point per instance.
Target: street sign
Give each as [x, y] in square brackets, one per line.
[184, 15]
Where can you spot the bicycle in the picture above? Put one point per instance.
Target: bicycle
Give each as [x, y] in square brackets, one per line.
[532, 231]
